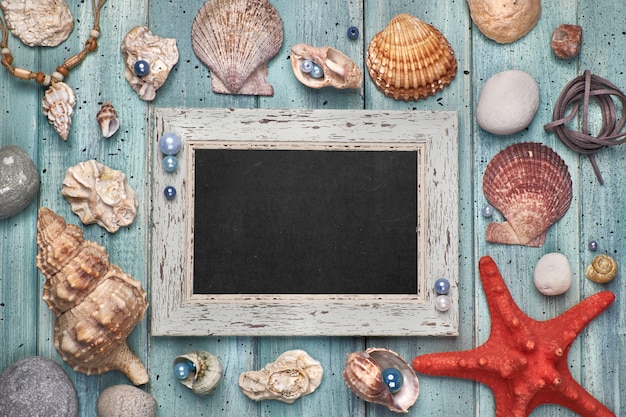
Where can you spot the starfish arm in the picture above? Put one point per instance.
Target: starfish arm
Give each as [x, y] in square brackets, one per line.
[573, 396]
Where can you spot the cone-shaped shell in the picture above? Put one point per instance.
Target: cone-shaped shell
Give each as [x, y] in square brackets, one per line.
[363, 375]
[205, 374]
[410, 59]
[531, 186]
[236, 39]
[339, 70]
[58, 104]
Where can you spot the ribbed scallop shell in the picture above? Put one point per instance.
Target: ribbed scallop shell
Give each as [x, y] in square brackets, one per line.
[339, 70]
[410, 59]
[531, 186]
[107, 119]
[236, 39]
[58, 104]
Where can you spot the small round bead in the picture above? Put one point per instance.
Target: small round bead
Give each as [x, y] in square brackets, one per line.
[169, 192]
[170, 163]
[393, 378]
[94, 33]
[141, 68]
[443, 303]
[487, 210]
[6, 51]
[58, 76]
[170, 143]
[593, 245]
[316, 71]
[306, 66]
[353, 32]
[183, 369]
[442, 286]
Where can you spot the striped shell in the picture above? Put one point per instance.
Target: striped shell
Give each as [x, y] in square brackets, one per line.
[107, 119]
[410, 59]
[236, 39]
[58, 104]
[531, 186]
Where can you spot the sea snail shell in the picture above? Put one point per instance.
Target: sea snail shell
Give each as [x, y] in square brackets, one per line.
[339, 70]
[603, 269]
[206, 372]
[363, 375]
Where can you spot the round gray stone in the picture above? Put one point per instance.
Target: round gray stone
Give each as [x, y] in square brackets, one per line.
[37, 386]
[126, 401]
[19, 180]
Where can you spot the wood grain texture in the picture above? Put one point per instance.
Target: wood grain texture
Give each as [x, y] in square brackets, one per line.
[596, 359]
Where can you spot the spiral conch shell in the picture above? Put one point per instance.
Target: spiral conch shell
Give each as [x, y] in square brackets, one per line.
[205, 374]
[410, 59]
[38, 23]
[292, 375]
[363, 375]
[339, 70]
[602, 269]
[58, 104]
[107, 119]
[97, 305]
[531, 186]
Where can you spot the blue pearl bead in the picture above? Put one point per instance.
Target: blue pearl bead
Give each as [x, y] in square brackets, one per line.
[353, 32]
[183, 369]
[442, 286]
[487, 210]
[593, 245]
[170, 163]
[170, 143]
[316, 71]
[393, 378]
[169, 192]
[306, 66]
[141, 68]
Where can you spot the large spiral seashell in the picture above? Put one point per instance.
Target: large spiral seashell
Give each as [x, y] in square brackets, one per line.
[97, 305]
[205, 371]
[107, 119]
[363, 374]
[602, 269]
[339, 70]
[410, 59]
[58, 104]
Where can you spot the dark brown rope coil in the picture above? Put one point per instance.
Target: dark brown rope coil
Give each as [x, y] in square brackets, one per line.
[577, 92]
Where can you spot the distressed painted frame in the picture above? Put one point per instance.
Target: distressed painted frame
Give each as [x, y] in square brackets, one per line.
[177, 311]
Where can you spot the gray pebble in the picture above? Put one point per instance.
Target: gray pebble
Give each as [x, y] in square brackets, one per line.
[126, 401]
[37, 387]
[19, 180]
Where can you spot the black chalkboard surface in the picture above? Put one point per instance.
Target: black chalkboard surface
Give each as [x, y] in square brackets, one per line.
[305, 222]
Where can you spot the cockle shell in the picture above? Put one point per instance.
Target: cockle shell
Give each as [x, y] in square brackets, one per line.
[206, 373]
[363, 375]
[38, 23]
[505, 21]
[99, 194]
[236, 39]
[97, 305]
[107, 119]
[160, 53]
[292, 375]
[410, 59]
[339, 70]
[531, 186]
[58, 104]
[602, 269]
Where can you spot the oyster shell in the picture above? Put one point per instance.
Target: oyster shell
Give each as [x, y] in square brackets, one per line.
[58, 104]
[236, 39]
[38, 23]
[531, 186]
[363, 375]
[205, 373]
[602, 269]
[107, 119]
[410, 59]
[97, 305]
[339, 70]
[99, 194]
[292, 375]
[160, 53]
[505, 21]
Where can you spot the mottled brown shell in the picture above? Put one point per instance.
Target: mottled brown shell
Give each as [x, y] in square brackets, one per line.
[602, 269]
[410, 59]
[531, 186]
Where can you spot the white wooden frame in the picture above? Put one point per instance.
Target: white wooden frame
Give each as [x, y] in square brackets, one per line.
[176, 310]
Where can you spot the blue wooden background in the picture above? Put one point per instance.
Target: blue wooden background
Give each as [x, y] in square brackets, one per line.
[596, 359]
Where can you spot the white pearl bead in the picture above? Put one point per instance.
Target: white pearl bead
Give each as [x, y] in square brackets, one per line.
[443, 303]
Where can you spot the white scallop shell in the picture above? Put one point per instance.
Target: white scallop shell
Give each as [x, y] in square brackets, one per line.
[107, 119]
[339, 70]
[38, 23]
[58, 104]
[99, 194]
[160, 53]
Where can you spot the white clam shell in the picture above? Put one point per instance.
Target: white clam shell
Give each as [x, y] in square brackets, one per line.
[58, 104]
[40, 22]
[107, 119]
[207, 374]
[553, 274]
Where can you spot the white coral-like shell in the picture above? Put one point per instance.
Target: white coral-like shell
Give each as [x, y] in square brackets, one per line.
[99, 194]
[339, 70]
[107, 119]
[58, 104]
[38, 23]
[292, 375]
[160, 53]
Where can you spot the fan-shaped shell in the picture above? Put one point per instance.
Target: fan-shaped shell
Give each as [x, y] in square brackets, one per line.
[38, 23]
[236, 39]
[531, 186]
[410, 59]
[339, 70]
[58, 104]
[205, 374]
[107, 119]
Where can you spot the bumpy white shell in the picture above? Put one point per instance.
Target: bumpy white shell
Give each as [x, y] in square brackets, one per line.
[107, 119]
[58, 104]
[99, 194]
[553, 274]
[339, 70]
[292, 375]
[40, 22]
[161, 53]
[207, 374]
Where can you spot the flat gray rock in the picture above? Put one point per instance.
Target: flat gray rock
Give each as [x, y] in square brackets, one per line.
[126, 401]
[19, 180]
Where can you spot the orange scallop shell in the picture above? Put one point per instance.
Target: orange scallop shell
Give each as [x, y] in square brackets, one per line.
[531, 186]
[410, 59]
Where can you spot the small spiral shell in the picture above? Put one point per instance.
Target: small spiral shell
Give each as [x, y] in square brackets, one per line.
[603, 269]
[107, 119]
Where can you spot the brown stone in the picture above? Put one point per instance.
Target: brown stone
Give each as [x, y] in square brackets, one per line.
[566, 41]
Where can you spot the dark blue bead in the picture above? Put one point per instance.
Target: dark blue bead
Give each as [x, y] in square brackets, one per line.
[393, 378]
[442, 286]
[141, 68]
[169, 192]
[353, 32]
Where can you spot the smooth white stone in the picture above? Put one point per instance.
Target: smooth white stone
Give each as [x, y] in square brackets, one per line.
[553, 274]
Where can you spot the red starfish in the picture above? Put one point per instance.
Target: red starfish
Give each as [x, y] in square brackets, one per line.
[524, 361]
